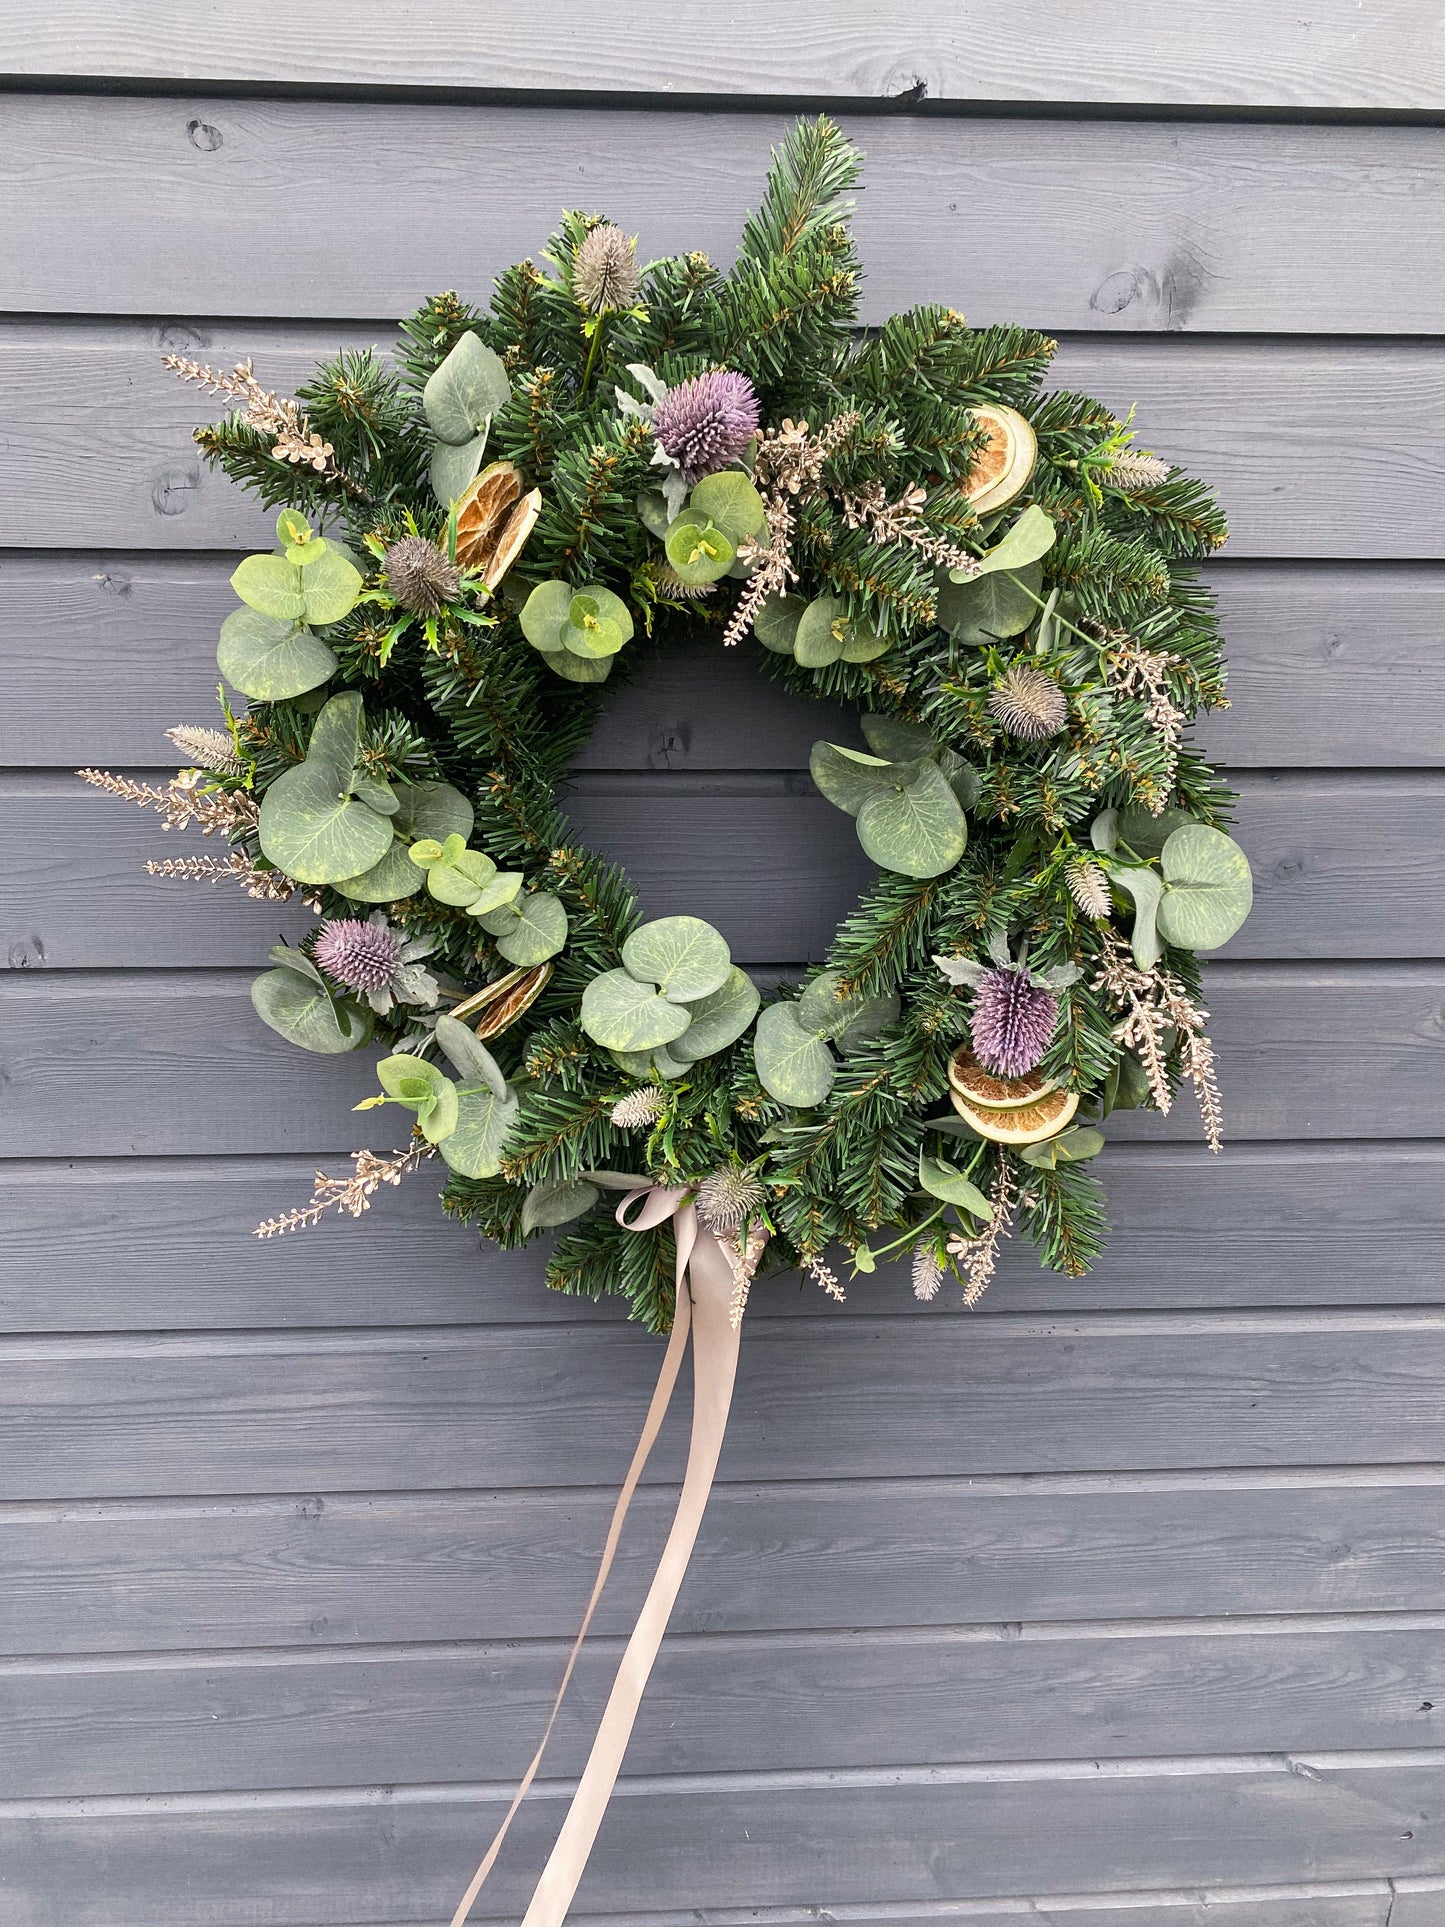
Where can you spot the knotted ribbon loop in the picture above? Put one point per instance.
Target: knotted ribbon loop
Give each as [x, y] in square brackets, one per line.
[706, 1289]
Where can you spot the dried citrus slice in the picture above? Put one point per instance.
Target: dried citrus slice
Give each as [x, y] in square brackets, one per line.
[1029, 1124]
[977, 1086]
[500, 1004]
[481, 513]
[1006, 460]
[513, 538]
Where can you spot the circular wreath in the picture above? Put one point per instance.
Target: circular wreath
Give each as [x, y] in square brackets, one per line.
[528, 499]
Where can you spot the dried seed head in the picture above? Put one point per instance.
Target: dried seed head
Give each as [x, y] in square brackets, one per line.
[727, 1199]
[1131, 472]
[707, 422]
[419, 576]
[210, 749]
[927, 1269]
[1013, 1021]
[1028, 703]
[604, 274]
[642, 1106]
[1089, 887]
[361, 955]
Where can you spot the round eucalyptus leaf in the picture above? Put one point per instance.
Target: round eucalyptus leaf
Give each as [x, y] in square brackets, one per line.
[335, 742]
[776, 623]
[469, 1056]
[651, 1063]
[719, 1019]
[499, 892]
[1142, 884]
[698, 551]
[454, 467]
[963, 778]
[539, 931]
[468, 388]
[548, 1205]
[849, 778]
[573, 668]
[304, 1013]
[272, 585]
[388, 881]
[862, 644]
[329, 588]
[474, 1146]
[271, 660]
[459, 880]
[731, 503]
[1146, 834]
[623, 1014]
[917, 831]
[820, 1008]
[652, 512]
[794, 1065]
[1208, 889]
[292, 529]
[1104, 832]
[598, 623]
[546, 613]
[896, 741]
[317, 833]
[989, 607]
[822, 628]
[1031, 537]
[432, 810]
[685, 957]
[870, 1017]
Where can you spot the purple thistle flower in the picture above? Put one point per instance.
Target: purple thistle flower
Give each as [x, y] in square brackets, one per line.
[707, 422]
[363, 956]
[1013, 1020]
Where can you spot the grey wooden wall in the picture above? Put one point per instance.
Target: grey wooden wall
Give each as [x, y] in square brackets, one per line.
[1117, 1604]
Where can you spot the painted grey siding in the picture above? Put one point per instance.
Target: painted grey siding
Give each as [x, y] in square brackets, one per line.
[1118, 1603]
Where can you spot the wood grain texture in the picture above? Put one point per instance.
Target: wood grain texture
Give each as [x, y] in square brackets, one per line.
[164, 1244]
[326, 1569]
[826, 1398]
[955, 1833]
[1234, 56]
[718, 1704]
[1308, 1051]
[1327, 882]
[97, 432]
[1132, 226]
[140, 629]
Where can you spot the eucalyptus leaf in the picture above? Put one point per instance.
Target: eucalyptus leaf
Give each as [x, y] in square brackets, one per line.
[1208, 890]
[423, 1088]
[988, 608]
[1031, 537]
[577, 668]
[870, 1018]
[822, 630]
[685, 957]
[272, 585]
[317, 833]
[329, 587]
[1069, 1147]
[730, 502]
[395, 876]
[468, 388]
[306, 1014]
[895, 740]
[269, 659]
[794, 1065]
[1104, 832]
[1143, 885]
[623, 1014]
[849, 778]
[546, 613]
[1146, 834]
[652, 512]
[917, 831]
[949, 1185]
[474, 1147]
[658, 1062]
[718, 1019]
[469, 1056]
[454, 467]
[698, 550]
[776, 623]
[548, 1205]
[538, 932]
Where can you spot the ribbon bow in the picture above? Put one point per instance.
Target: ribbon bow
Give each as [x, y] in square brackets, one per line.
[714, 1270]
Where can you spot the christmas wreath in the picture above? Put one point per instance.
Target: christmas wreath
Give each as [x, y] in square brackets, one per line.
[531, 498]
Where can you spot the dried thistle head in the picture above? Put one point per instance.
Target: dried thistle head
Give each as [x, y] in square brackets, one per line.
[419, 576]
[1028, 703]
[604, 273]
[726, 1200]
[1013, 1021]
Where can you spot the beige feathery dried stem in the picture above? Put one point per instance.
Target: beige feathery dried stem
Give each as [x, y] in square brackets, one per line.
[899, 522]
[209, 749]
[744, 1254]
[1136, 671]
[296, 441]
[1131, 471]
[825, 1276]
[185, 802]
[351, 1196]
[789, 464]
[927, 1270]
[1154, 1002]
[269, 886]
[978, 1255]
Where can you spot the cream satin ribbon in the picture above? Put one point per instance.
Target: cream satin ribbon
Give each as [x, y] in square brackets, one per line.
[706, 1291]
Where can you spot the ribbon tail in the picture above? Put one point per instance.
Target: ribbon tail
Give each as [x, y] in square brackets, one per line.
[709, 1283]
[656, 1412]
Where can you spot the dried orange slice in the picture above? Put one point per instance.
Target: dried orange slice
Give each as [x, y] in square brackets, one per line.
[513, 538]
[482, 512]
[500, 1004]
[1006, 460]
[1029, 1124]
[977, 1086]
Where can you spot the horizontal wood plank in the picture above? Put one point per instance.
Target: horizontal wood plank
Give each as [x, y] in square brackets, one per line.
[763, 856]
[1061, 224]
[826, 1398]
[97, 433]
[717, 1705]
[1303, 641]
[1234, 56]
[164, 1244]
[952, 1833]
[1318, 1051]
[328, 1569]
